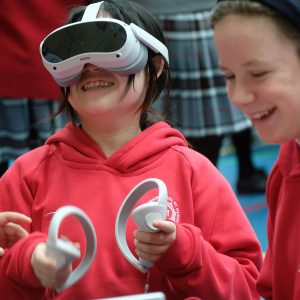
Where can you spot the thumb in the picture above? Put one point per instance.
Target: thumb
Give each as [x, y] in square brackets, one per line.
[164, 226]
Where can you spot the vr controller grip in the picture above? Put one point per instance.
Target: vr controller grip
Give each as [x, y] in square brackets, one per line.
[63, 252]
[144, 216]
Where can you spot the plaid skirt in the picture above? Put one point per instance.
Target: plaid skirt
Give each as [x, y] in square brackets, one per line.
[199, 105]
[26, 124]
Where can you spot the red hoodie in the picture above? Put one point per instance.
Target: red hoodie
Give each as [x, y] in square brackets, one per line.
[216, 254]
[280, 276]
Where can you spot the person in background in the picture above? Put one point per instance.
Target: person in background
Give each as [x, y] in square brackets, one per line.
[259, 47]
[28, 96]
[199, 106]
[206, 248]
[11, 229]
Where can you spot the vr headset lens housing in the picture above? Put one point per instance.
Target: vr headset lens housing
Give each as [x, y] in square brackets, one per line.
[108, 43]
[83, 38]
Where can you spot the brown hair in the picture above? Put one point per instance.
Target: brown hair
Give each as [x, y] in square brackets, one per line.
[255, 8]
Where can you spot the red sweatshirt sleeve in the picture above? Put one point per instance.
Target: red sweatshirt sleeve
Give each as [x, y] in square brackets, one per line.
[17, 279]
[206, 272]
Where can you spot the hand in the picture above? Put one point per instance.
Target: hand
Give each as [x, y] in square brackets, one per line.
[153, 245]
[45, 269]
[11, 228]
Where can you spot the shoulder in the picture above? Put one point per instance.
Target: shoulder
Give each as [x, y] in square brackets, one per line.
[204, 174]
[29, 162]
[193, 157]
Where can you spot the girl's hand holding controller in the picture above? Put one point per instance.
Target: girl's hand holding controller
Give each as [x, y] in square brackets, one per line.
[153, 245]
[46, 270]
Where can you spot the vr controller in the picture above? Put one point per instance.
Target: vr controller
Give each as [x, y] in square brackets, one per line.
[63, 251]
[143, 216]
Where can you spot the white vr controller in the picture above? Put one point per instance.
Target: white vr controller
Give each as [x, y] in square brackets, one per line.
[63, 251]
[143, 216]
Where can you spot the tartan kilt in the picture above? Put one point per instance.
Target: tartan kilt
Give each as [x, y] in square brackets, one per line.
[26, 124]
[198, 105]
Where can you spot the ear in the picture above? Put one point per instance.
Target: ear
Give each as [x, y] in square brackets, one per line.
[158, 63]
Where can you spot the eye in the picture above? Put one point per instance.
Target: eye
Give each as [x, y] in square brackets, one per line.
[259, 74]
[229, 77]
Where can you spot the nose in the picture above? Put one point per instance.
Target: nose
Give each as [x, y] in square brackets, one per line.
[90, 68]
[240, 94]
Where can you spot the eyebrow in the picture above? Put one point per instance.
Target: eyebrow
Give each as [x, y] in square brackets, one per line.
[254, 63]
[251, 63]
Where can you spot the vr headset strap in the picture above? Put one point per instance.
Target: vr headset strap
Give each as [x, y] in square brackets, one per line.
[91, 12]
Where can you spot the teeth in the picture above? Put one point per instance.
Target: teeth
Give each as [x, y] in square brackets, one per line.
[258, 116]
[97, 84]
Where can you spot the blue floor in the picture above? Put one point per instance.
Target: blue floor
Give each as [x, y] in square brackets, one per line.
[254, 206]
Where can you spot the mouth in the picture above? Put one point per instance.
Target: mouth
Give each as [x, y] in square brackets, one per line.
[98, 84]
[262, 115]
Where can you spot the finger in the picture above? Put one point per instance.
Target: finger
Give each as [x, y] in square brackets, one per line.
[154, 238]
[52, 278]
[147, 256]
[1, 251]
[15, 217]
[62, 275]
[151, 249]
[13, 229]
[164, 226]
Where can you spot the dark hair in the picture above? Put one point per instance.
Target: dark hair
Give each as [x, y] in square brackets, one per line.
[131, 12]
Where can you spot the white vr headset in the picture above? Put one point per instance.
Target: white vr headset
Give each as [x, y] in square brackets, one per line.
[105, 42]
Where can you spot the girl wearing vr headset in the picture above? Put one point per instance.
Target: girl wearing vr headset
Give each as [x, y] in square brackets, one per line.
[263, 74]
[206, 248]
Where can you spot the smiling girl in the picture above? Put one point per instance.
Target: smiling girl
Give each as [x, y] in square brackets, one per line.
[259, 49]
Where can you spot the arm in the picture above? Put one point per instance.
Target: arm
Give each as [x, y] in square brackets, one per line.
[228, 273]
[194, 266]
[216, 254]
[25, 265]
[17, 279]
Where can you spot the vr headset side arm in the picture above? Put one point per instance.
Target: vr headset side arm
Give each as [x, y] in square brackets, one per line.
[150, 41]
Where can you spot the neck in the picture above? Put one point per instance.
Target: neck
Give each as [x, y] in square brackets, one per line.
[111, 139]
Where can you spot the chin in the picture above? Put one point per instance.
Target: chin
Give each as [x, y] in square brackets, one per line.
[272, 139]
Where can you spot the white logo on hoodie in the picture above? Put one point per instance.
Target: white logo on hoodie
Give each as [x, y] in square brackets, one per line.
[173, 209]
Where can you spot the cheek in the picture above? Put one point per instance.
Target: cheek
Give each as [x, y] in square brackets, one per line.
[71, 95]
[72, 98]
[139, 87]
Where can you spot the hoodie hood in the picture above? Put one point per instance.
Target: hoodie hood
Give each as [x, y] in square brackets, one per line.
[74, 146]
